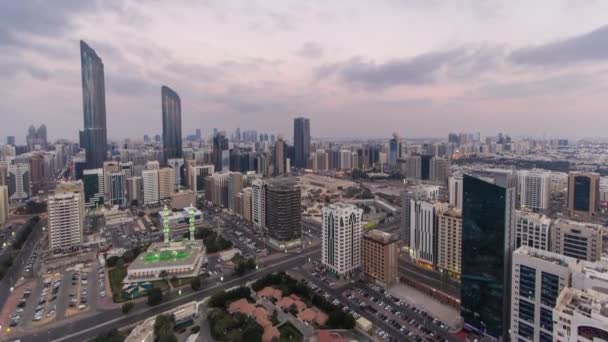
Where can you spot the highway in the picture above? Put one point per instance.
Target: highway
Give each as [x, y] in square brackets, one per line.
[89, 327]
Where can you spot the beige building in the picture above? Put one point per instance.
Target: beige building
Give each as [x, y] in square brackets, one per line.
[109, 167]
[380, 257]
[73, 188]
[3, 173]
[583, 193]
[247, 204]
[577, 239]
[166, 180]
[3, 204]
[449, 241]
[183, 199]
[65, 224]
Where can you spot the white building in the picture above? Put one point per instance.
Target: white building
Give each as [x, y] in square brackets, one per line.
[534, 189]
[258, 202]
[424, 231]
[532, 229]
[65, 221]
[3, 204]
[341, 239]
[455, 191]
[150, 184]
[19, 181]
[581, 316]
[345, 160]
[537, 279]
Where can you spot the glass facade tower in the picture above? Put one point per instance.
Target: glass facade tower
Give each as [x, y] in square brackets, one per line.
[172, 124]
[487, 244]
[301, 141]
[94, 137]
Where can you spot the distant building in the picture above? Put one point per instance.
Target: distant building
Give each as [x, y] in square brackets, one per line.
[341, 239]
[221, 152]
[449, 245]
[258, 202]
[455, 191]
[166, 182]
[301, 141]
[150, 186]
[198, 175]
[380, 257]
[135, 188]
[65, 222]
[177, 164]
[172, 124]
[235, 185]
[422, 192]
[534, 189]
[247, 199]
[3, 204]
[109, 167]
[280, 151]
[439, 170]
[93, 182]
[577, 239]
[19, 182]
[118, 189]
[583, 193]
[532, 229]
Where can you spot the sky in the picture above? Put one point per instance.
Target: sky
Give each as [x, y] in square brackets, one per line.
[356, 68]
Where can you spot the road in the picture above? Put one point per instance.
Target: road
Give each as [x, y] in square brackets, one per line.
[429, 278]
[89, 327]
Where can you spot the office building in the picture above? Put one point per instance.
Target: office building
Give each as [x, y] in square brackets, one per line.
[439, 170]
[341, 239]
[538, 277]
[118, 189]
[221, 152]
[172, 124]
[135, 193]
[424, 232]
[166, 182]
[487, 245]
[109, 167]
[394, 150]
[422, 192]
[177, 164]
[534, 189]
[283, 212]
[3, 204]
[583, 193]
[235, 185]
[280, 150]
[532, 229]
[93, 182]
[449, 244]
[217, 189]
[301, 141]
[19, 182]
[413, 165]
[37, 173]
[94, 136]
[581, 316]
[198, 174]
[150, 186]
[258, 202]
[455, 191]
[577, 239]
[65, 222]
[380, 257]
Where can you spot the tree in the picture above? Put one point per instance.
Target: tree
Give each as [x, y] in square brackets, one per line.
[111, 261]
[109, 336]
[155, 296]
[126, 307]
[163, 328]
[196, 284]
[164, 274]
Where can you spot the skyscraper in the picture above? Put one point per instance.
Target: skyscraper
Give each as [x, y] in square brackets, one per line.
[172, 124]
[341, 239]
[118, 189]
[283, 211]
[394, 150]
[487, 244]
[94, 136]
[220, 144]
[301, 141]
[150, 186]
[258, 202]
[279, 157]
[3, 204]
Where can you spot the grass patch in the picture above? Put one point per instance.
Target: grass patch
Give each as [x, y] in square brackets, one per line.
[117, 274]
[289, 333]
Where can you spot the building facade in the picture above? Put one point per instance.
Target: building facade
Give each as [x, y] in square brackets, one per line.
[534, 190]
[341, 239]
[583, 193]
[135, 187]
[424, 232]
[449, 245]
[380, 257]
[455, 191]
[283, 211]
[118, 189]
[258, 202]
[301, 141]
[532, 229]
[3, 204]
[19, 182]
[172, 124]
[150, 186]
[93, 182]
[166, 182]
[65, 222]
[577, 239]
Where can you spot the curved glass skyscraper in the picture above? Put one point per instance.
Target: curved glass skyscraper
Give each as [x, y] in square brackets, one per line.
[172, 124]
[94, 137]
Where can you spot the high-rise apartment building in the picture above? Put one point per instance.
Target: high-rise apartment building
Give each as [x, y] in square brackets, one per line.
[487, 244]
[579, 240]
[420, 192]
[449, 244]
[532, 229]
[534, 189]
[150, 186]
[198, 174]
[152, 165]
[283, 211]
[380, 257]
[301, 141]
[94, 136]
[221, 148]
[172, 124]
[166, 182]
[235, 185]
[538, 277]
[217, 189]
[3, 172]
[583, 193]
[424, 232]
[19, 181]
[455, 191]
[177, 164]
[280, 150]
[76, 188]
[118, 189]
[93, 182]
[135, 188]
[247, 199]
[3, 204]
[345, 160]
[341, 239]
[258, 202]
[65, 222]
[109, 167]
[439, 170]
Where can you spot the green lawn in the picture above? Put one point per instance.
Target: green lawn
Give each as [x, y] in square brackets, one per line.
[117, 274]
[289, 333]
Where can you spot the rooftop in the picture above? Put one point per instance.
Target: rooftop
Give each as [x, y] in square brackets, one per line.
[161, 254]
[380, 236]
[551, 257]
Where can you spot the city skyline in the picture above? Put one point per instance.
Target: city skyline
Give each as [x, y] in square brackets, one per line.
[448, 74]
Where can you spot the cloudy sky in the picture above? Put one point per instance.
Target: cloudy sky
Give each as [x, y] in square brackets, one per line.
[355, 67]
